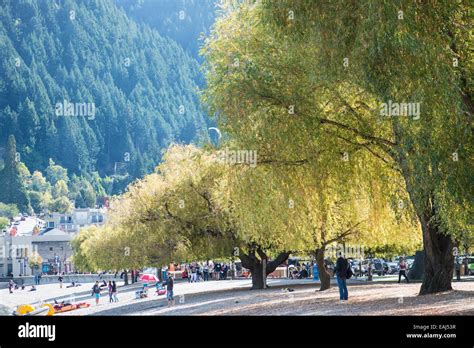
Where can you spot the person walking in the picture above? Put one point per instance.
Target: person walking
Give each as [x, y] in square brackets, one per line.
[96, 292]
[169, 290]
[114, 291]
[110, 288]
[60, 280]
[402, 271]
[341, 273]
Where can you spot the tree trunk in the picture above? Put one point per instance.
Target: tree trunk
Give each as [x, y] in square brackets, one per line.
[418, 269]
[255, 266]
[438, 259]
[323, 274]
[257, 277]
[125, 277]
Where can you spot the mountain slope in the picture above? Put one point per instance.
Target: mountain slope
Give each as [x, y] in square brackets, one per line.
[181, 20]
[139, 86]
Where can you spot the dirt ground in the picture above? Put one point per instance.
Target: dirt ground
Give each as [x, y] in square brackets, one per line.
[364, 299]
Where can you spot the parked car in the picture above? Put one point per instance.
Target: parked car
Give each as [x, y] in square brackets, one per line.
[380, 267]
[470, 264]
[393, 267]
[357, 267]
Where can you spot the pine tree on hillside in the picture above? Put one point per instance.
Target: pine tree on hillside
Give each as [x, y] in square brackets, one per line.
[12, 188]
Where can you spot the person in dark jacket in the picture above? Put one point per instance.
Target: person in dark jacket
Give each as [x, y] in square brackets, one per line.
[341, 273]
[169, 289]
[458, 269]
[110, 289]
[114, 291]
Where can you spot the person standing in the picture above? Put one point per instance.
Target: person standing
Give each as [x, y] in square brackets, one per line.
[199, 272]
[114, 291]
[11, 284]
[206, 271]
[211, 268]
[193, 273]
[402, 271]
[60, 280]
[96, 292]
[217, 270]
[188, 272]
[458, 269]
[341, 273]
[169, 290]
[110, 288]
[225, 269]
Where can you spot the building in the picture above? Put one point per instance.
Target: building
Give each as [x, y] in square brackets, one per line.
[74, 221]
[50, 238]
[53, 247]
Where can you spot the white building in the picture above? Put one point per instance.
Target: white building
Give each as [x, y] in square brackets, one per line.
[79, 217]
[53, 247]
[50, 238]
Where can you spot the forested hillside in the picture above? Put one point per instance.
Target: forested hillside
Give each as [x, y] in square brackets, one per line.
[182, 20]
[138, 87]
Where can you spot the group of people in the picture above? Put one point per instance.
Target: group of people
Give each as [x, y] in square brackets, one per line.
[14, 286]
[38, 278]
[112, 290]
[168, 283]
[196, 271]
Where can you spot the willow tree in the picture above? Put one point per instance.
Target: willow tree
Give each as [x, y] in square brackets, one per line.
[358, 216]
[201, 202]
[308, 208]
[293, 78]
[182, 212]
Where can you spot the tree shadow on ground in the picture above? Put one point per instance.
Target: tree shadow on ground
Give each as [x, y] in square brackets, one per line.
[275, 302]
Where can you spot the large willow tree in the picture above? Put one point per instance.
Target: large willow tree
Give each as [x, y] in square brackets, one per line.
[197, 206]
[185, 211]
[292, 79]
